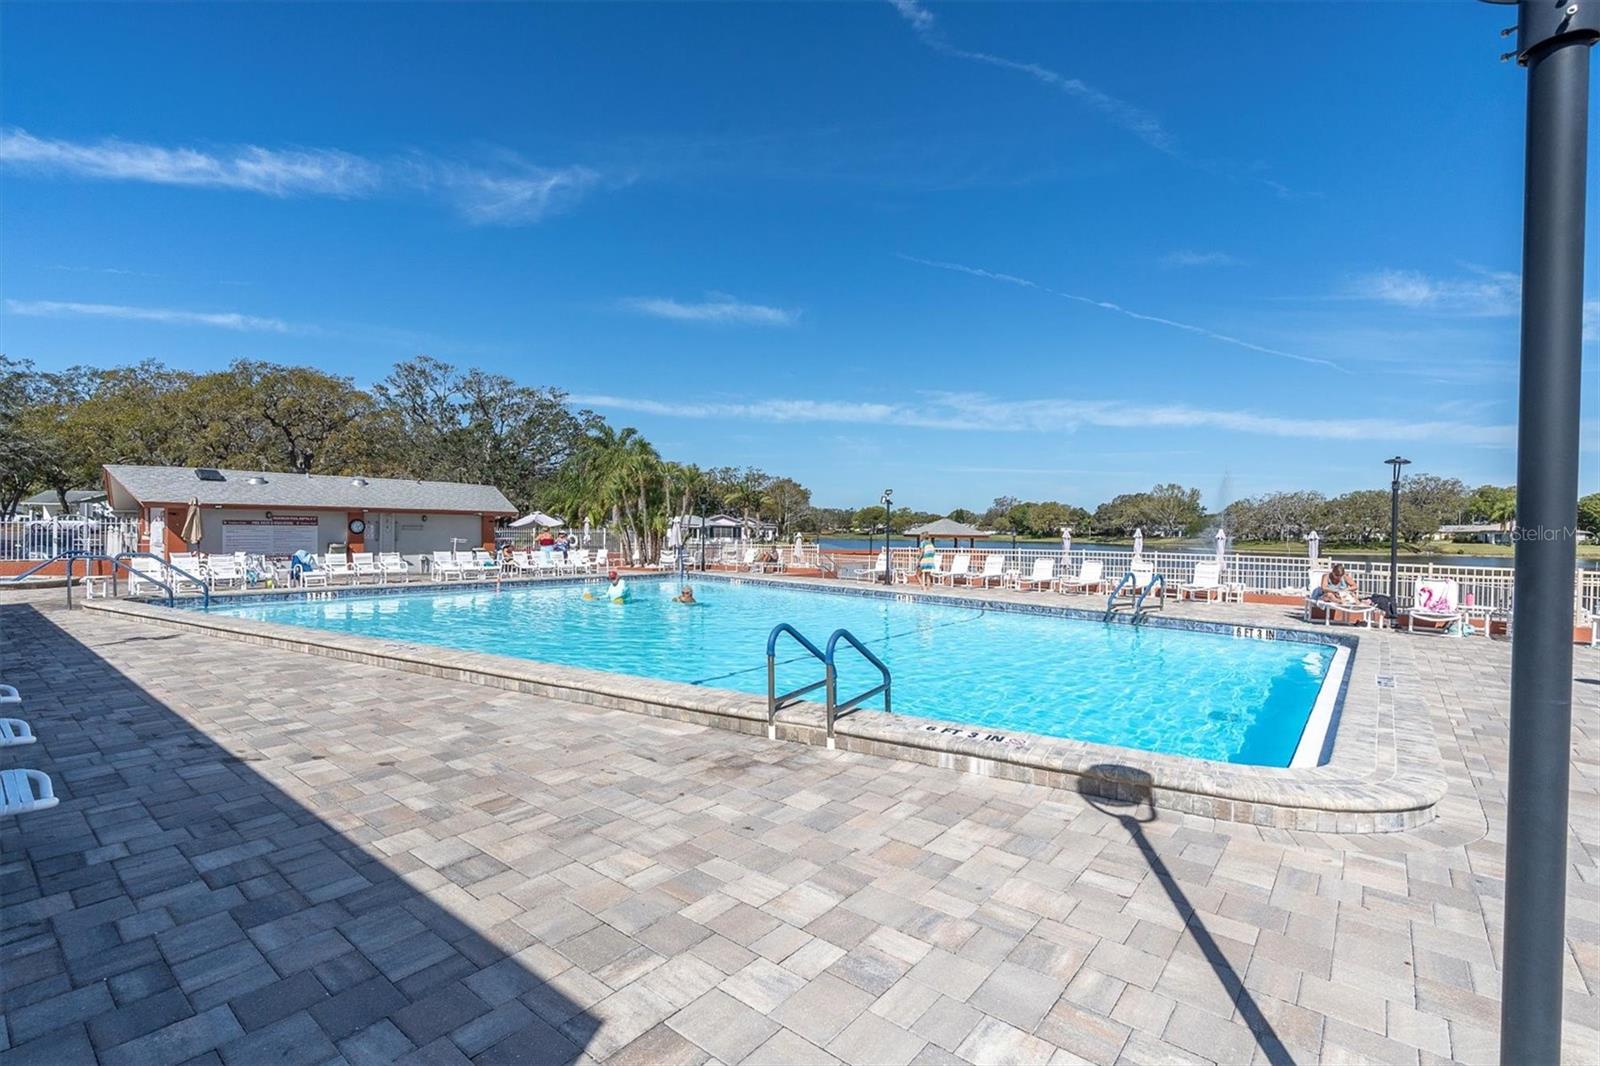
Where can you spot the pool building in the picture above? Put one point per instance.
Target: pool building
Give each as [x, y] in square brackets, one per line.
[277, 513]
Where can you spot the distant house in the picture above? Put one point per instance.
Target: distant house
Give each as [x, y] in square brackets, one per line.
[1479, 532]
[726, 527]
[278, 513]
[81, 502]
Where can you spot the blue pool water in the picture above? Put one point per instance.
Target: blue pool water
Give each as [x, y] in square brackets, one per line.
[1159, 689]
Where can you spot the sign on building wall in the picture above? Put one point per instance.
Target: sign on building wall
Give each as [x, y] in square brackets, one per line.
[278, 535]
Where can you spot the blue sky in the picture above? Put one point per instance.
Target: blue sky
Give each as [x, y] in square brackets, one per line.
[1046, 250]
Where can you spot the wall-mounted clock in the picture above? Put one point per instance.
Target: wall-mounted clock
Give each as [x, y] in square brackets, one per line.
[357, 526]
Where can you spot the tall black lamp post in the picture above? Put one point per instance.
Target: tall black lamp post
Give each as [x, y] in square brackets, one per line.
[1553, 41]
[1394, 526]
[888, 537]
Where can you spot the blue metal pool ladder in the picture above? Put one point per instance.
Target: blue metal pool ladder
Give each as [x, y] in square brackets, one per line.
[1138, 601]
[835, 707]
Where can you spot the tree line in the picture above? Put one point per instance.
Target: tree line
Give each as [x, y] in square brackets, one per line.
[427, 419]
[431, 420]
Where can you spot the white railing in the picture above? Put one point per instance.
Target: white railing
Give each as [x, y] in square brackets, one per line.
[1488, 586]
[34, 539]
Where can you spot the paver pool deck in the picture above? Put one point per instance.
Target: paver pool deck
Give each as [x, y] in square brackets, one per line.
[265, 856]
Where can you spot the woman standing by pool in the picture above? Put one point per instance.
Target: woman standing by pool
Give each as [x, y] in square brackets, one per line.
[928, 565]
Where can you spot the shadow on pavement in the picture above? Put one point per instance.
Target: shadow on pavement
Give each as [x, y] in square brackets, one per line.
[177, 903]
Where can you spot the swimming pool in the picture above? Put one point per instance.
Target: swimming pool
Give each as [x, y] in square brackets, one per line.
[1157, 688]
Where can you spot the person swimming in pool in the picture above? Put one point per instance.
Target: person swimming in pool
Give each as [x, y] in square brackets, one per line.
[618, 592]
[686, 596]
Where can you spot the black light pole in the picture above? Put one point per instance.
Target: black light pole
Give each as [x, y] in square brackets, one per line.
[1553, 41]
[888, 534]
[1394, 527]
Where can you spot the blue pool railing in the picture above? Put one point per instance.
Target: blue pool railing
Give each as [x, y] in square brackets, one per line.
[1136, 594]
[775, 702]
[836, 708]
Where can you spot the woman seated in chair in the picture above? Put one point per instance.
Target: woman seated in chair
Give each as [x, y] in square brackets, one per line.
[1338, 588]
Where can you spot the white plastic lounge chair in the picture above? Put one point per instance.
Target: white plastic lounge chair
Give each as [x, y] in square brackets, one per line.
[876, 571]
[337, 565]
[1359, 611]
[602, 561]
[1207, 581]
[1436, 600]
[187, 563]
[9, 696]
[1091, 575]
[582, 560]
[14, 732]
[445, 566]
[484, 563]
[393, 564]
[145, 574]
[1042, 576]
[994, 569]
[22, 791]
[366, 566]
[222, 571]
[960, 567]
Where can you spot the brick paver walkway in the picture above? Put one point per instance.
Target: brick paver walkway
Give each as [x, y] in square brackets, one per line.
[267, 857]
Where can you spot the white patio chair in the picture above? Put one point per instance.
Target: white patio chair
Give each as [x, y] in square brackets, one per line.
[1363, 612]
[391, 565]
[960, 567]
[876, 571]
[445, 566]
[994, 569]
[1207, 581]
[22, 791]
[14, 732]
[366, 565]
[1091, 575]
[9, 696]
[337, 565]
[1435, 601]
[1042, 576]
[146, 574]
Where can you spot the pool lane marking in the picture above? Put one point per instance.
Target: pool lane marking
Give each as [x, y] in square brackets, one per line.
[976, 612]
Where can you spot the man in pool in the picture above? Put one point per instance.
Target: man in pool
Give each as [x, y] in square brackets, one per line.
[685, 596]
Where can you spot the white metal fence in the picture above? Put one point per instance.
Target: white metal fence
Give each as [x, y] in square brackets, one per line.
[33, 540]
[1489, 587]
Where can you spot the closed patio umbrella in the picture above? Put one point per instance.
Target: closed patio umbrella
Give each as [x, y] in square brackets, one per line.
[1138, 543]
[1222, 548]
[192, 531]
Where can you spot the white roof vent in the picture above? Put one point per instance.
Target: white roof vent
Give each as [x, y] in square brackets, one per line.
[358, 482]
[255, 479]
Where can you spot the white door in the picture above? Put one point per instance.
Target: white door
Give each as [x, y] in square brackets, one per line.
[386, 524]
[158, 531]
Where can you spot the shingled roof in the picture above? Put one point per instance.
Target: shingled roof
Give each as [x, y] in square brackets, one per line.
[133, 486]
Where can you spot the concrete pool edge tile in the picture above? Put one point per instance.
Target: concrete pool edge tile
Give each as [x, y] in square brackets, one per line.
[1384, 773]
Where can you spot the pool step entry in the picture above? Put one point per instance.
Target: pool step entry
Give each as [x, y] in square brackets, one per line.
[836, 708]
[1136, 595]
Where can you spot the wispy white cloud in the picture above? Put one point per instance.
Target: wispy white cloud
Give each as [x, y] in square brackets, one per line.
[978, 412]
[1480, 293]
[508, 190]
[249, 168]
[1107, 305]
[1189, 258]
[716, 308]
[218, 319]
[1130, 117]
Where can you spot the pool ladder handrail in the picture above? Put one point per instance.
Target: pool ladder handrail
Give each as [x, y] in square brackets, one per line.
[834, 709]
[837, 709]
[775, 702]
[1138, 601]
